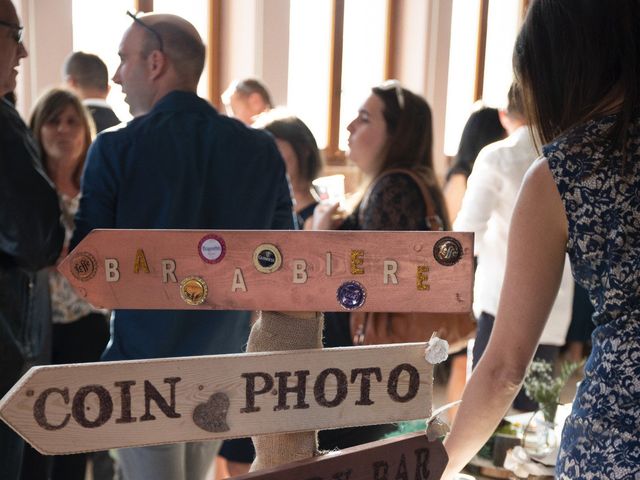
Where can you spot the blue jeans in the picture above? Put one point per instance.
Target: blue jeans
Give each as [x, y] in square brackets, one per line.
[178, 461]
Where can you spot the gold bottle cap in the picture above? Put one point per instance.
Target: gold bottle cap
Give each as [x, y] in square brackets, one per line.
[84, 266]
[447, 251]
[267, 258]
[193, 290]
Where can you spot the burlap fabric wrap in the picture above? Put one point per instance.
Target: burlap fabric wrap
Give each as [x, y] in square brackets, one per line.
[275, 332]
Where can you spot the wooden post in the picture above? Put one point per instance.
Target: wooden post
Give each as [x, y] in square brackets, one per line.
[145, 6]
[335, 78]
[213, 52]
[392, 29]
[481, 49]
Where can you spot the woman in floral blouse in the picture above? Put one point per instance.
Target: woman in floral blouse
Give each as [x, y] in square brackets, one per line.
[64, 130]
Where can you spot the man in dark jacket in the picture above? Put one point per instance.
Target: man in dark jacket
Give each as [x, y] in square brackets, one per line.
[86, 74]
[31, 238]
[177, 165]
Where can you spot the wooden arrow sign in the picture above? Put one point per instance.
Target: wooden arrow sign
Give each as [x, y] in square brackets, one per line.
[406, 457]
[274, 270]
[96, 406]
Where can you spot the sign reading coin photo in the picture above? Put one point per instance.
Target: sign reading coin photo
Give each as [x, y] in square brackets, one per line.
[274, 270]
[63, 409]
[85, 407]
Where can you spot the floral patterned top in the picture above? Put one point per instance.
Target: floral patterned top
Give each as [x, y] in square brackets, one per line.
[603, 211]
[66, 305]
[601, 437]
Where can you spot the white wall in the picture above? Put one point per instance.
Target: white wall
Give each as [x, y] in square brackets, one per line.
[422, 62]
[255, 43]
[48, 38]
[275, 48]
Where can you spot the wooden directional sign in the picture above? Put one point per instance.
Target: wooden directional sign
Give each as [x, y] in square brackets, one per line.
[274, 270]
[408, 457]
[96, 406]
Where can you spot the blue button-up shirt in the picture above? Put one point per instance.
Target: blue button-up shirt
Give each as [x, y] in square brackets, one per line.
[182, 166]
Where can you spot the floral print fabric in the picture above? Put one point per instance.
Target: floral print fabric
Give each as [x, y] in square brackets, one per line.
[600, 191]
[66, 305]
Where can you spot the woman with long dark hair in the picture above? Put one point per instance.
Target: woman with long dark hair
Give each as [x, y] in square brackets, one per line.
[578, 62]
[391, 143]
[393, 130]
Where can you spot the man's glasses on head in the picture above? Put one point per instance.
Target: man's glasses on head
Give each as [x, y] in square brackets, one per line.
[148, 28]
[16, 30]
[394, 85]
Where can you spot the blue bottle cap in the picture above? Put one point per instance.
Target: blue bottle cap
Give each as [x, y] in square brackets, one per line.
[351, 295]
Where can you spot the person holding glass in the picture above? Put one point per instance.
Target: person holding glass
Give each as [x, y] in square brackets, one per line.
[391, 142]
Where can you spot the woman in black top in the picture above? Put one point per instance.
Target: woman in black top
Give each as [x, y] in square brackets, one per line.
[300, 152]
[393, 130]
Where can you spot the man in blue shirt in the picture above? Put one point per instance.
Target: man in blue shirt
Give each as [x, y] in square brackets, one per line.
[177, 165]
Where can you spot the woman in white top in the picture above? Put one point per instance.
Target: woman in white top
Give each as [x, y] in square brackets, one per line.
[486, 210]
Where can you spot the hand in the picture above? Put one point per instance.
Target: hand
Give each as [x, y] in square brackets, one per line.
[326, 217]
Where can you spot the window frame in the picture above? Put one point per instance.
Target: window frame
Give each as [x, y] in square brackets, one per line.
[332, 153]
[214, 87]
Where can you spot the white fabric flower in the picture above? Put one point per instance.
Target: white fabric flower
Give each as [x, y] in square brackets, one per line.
[436, 351]
[519, 462]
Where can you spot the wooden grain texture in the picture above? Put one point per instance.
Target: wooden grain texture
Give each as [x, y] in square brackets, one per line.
[234, 283]
[406, 457]
[96, 406]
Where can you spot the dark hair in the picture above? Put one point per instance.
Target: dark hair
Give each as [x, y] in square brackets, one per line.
[410, 142]
[296, 132]
[515, 105]
[482, 128]
[186, 52]
[88, 70]
[576, 58]
[48, 106]
[250, 85]
[11, 98]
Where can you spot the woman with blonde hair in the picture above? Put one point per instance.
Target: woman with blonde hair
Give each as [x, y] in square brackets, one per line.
[64, 130]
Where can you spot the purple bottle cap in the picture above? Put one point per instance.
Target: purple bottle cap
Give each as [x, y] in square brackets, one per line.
[351, 295]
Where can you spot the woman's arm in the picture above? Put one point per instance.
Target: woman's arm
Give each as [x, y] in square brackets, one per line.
[535, 260]
[454, 191]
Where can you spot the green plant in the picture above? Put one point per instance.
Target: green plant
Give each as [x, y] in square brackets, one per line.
[541, 386]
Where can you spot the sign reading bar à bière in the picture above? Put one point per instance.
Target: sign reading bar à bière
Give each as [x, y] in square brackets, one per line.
[274, 270]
